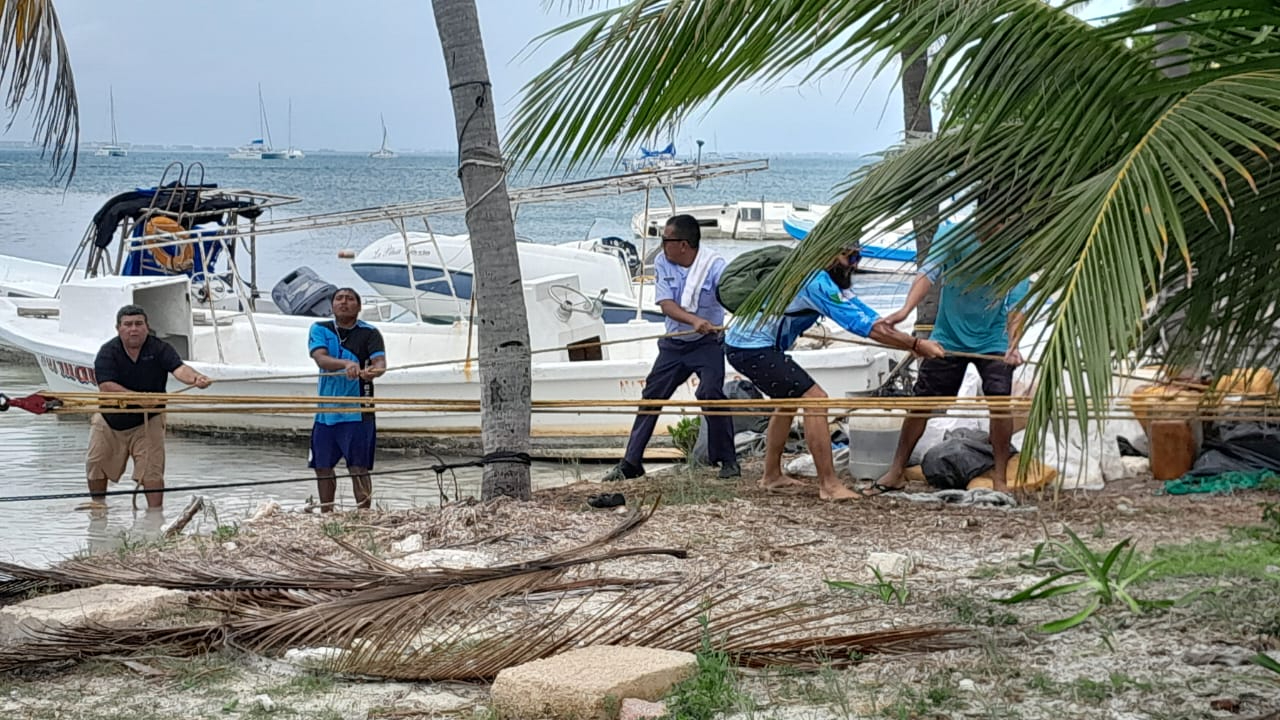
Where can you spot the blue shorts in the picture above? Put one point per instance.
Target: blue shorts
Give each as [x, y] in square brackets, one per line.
[350, 441]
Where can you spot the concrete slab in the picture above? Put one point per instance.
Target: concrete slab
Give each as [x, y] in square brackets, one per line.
[588, 683]
[112, 605]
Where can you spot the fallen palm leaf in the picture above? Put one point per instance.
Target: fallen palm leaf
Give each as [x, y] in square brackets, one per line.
[469, 624]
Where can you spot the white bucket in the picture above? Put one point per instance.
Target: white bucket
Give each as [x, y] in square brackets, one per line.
[873, 436]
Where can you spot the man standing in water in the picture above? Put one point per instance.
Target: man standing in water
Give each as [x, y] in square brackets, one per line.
[134, 361]
[350, 354]
[686, 275]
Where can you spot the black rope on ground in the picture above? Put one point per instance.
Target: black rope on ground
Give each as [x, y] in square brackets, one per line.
[439, 469]
[498, 456]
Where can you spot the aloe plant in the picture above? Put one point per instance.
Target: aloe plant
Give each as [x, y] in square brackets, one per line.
[1106, 578]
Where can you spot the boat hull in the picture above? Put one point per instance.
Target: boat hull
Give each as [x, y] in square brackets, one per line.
[743, 220]
[840, 372]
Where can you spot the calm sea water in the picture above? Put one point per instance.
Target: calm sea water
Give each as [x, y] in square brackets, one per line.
[41, 219]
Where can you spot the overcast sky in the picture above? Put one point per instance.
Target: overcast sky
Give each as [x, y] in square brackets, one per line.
[186, 72]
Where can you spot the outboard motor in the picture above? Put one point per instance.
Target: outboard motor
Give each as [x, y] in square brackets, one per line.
[628, 250]
[302, 292]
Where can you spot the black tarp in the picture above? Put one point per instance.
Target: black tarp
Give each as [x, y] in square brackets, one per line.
[1239, 447]
[173, 198]
[963, 454]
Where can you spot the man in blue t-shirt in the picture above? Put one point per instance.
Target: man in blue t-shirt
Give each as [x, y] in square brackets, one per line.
[350, 354]
[757, 348]
[685, 278]
[972, 318]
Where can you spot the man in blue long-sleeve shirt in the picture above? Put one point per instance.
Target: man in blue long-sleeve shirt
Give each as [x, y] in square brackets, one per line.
[757, 348]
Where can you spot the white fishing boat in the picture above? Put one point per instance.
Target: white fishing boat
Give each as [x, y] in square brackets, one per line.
[23, 278]
[383, 152]
[654, 159]
[437, 286]
[742, 220]
[115, 149]
[256, 149]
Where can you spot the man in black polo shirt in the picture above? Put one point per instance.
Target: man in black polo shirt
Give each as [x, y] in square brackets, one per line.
[133, 361]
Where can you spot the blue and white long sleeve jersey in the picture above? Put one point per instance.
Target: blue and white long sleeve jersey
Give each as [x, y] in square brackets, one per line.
[819, 296]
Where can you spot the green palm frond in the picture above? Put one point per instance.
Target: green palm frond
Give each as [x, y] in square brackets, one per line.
[36, 66]
[1113, 184]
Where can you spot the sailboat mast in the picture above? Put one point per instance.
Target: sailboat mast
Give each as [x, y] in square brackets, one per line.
[290, 135]
[384, 132]
[112, 94]
[264, 127]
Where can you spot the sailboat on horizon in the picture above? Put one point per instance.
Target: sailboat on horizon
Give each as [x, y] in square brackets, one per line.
[383, 153]
[257, 149]
[115, 149]
[292, 153]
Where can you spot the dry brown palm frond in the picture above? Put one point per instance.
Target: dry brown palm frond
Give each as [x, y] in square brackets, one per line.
[285, 570]
[34, 63]
[811, 653]
[439, 624]
[261, 603]
[472, 631]
[509, 633]
[95, 641]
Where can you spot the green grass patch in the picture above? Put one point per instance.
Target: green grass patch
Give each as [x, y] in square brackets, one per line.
[689, 487]
[1102, 578]
[1087, 690]
[885, 589]
[939, 698]
[1240, 556]
[712, 691]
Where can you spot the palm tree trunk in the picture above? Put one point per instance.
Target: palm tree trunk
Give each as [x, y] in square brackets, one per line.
[1171, 65]
[499, 293]
[917, 120]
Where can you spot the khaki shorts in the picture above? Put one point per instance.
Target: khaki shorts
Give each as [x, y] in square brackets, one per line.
[110, 451]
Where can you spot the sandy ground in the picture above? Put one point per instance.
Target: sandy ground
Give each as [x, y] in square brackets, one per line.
[1185, 662]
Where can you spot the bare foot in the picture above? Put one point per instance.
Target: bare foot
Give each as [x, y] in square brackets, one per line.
[781, 482]
[892, 479]
[92, 506]
[835, 490]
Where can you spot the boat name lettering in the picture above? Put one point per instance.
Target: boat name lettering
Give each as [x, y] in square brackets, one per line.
[398, 251]
[71, 371]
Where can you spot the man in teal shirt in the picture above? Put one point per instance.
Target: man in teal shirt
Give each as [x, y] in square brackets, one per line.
[973, 319]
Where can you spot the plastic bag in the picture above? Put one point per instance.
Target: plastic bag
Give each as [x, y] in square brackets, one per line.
[939, 427]
[734, 390]
[1239, 447]
[962, 456]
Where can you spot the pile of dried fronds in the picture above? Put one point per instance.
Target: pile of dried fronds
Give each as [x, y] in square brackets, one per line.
[435, 624]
